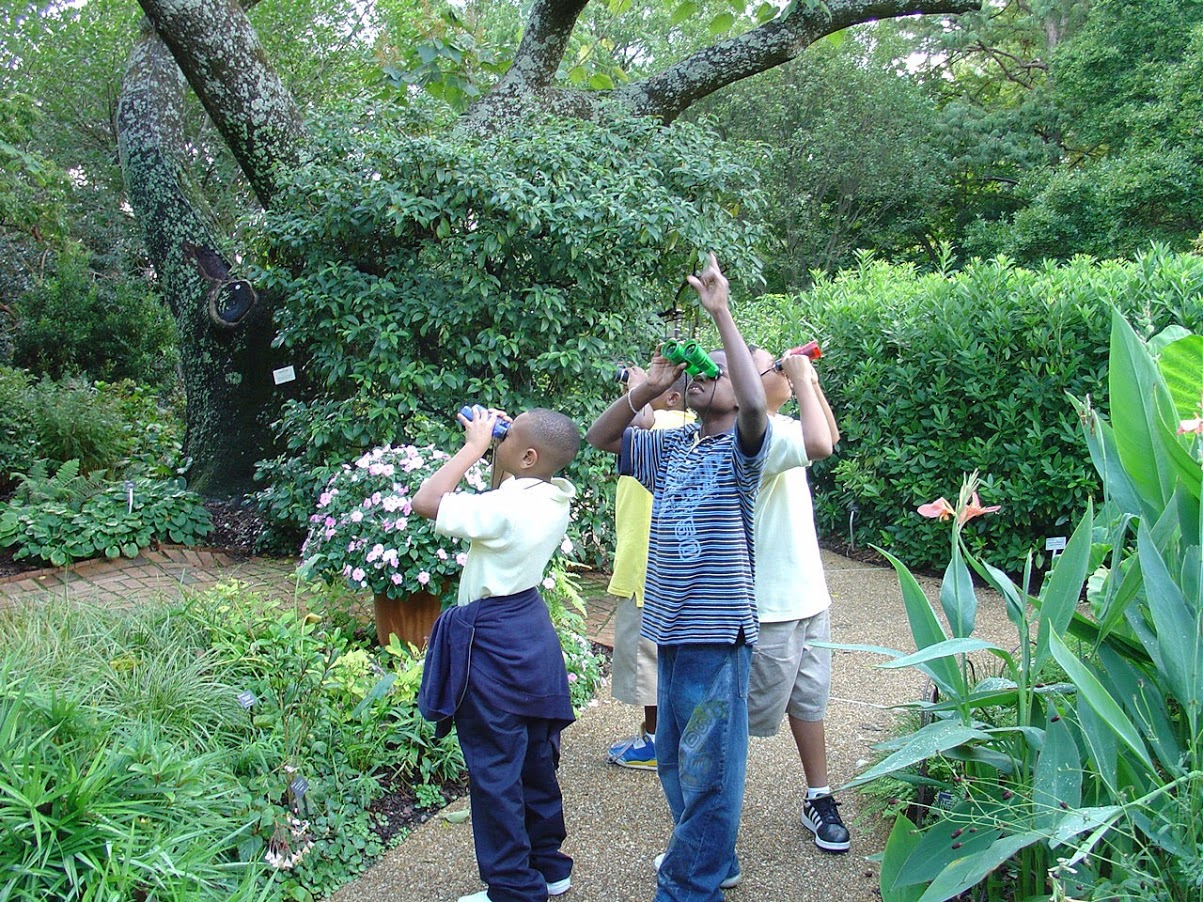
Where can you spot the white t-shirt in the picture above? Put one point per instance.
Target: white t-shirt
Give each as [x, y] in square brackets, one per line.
[790, 584]
[514, 530]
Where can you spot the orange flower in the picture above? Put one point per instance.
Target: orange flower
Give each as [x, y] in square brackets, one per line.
[939, 509]
[974, 509]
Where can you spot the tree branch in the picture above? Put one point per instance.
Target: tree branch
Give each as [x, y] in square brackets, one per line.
[778, 41]
[544, 42]
[219, 53]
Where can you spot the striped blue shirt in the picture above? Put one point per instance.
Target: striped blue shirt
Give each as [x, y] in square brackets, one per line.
[700, 561]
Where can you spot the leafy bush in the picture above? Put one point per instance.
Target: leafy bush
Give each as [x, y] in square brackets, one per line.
[18, 446]
[1091, 786]
[119, 427]
[68, 518]
[510, 272]
[937, 374]
[362, 532]
[103, 325]
[74, 420]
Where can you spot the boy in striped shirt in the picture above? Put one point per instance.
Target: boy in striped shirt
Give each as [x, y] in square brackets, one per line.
[699, 602]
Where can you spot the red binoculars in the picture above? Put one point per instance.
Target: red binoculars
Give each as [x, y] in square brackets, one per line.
[811, 349]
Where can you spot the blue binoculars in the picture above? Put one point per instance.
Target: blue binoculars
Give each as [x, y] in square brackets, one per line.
[500, 428]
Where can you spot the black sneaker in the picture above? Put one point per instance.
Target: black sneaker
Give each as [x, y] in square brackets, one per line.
[821, 817]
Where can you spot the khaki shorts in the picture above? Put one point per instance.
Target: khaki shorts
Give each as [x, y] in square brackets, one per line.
[633, 665]
[789, 675]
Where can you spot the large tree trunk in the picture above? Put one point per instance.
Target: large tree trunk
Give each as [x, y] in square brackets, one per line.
[225, 337]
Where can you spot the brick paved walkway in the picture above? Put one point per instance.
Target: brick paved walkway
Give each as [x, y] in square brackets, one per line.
[172, 569]
[161, 573]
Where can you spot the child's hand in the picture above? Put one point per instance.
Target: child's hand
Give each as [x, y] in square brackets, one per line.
[478, 431]
[636, 375]
[662, 373]
[799, 370]
[711, 286]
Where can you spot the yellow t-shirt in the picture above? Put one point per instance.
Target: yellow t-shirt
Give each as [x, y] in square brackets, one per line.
[633, 521]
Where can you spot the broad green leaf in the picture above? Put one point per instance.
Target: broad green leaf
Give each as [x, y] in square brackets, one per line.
[1058, 777]
[1100, 441]
[1101, 744]
[945, 649]
[957, 596]
[971, 869]
[1130, 395]
[874, 649]
[721, 24]
[1079, 820]
[1001, 583]
[1179, 627]
[923, 743]
[926, 629]
[599, 81]
[1181, 365]
[904, 837]
[1142, 698]
[683, 12]
[1064, 586]
[1100, 701]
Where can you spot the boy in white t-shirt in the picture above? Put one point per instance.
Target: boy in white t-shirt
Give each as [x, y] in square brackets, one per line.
[789, 675]
[494, 663]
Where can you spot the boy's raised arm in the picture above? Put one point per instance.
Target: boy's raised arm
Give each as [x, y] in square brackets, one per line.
[478, 433]
[711, 286]
[818, 422]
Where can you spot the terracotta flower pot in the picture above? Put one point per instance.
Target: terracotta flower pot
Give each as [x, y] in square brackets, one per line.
[410, 619]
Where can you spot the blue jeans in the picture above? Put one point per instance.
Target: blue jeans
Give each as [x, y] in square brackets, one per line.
[702, 758]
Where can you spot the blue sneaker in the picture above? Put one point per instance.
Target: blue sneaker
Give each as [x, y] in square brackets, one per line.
[638, 752]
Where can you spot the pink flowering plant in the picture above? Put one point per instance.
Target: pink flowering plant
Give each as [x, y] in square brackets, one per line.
[363, 530]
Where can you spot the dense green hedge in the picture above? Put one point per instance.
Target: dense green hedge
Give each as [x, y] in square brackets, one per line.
[932, 376]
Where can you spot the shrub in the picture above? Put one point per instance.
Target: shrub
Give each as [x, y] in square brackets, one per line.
[932, 374]
[74, 420]
[421, 273]
[77, 321]
[18, 446]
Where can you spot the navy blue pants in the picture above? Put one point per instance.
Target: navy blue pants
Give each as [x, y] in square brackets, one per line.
[517, 808]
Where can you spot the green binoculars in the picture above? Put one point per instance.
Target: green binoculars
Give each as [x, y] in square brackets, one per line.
[689, 352]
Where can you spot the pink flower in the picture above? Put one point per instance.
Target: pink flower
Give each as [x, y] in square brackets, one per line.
[572, 677]
[357, 575]
[939, 509]
[441, 554]
[424, 577]
[566, 546]
[356, 516]
[324, 499]
[549, 583]
[397, 579]
[1192, 427]
[461, 558]
[974, 509]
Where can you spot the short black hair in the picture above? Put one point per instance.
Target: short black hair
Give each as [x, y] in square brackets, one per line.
[554, 435]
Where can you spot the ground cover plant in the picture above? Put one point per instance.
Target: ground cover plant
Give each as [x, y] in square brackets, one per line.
[223, 746]
[1077, 767]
